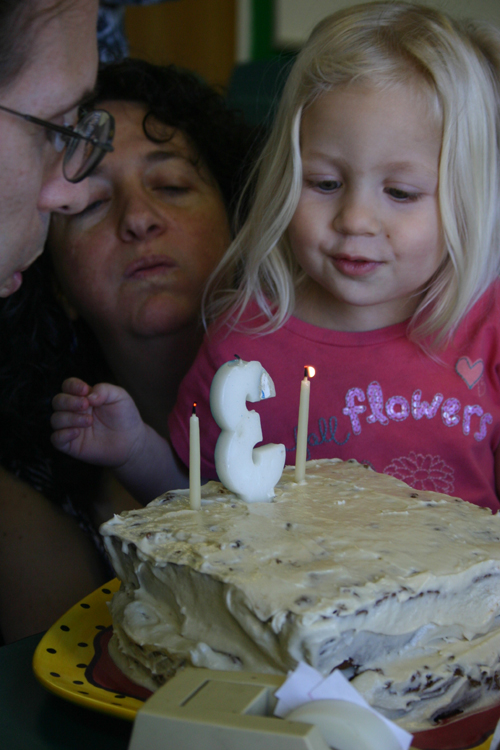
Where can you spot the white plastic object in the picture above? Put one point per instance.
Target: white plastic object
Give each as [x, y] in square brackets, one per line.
[346, 726]
[201, 709]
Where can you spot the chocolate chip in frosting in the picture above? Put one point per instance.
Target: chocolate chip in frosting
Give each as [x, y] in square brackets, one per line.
[347, 664]
[303, 600]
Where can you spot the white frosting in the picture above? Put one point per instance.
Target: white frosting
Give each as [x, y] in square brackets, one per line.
[352, 568]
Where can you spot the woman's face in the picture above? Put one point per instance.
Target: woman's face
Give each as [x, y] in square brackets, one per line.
[136, 259]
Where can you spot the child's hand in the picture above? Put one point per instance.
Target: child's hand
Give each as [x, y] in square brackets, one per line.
[100, 425]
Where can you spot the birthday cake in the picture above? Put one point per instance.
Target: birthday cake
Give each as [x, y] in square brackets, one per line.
[352, 570]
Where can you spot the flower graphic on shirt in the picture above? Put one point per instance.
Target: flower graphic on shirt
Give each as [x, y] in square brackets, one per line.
[429, 473]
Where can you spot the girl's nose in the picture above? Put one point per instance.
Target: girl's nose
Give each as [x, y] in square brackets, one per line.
[140, 220]
[356, 214]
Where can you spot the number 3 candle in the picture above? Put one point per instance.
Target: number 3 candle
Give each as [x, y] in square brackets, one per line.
[251, 473]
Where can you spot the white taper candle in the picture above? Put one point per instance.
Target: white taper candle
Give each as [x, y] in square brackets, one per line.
[301, 452]
[194, 461]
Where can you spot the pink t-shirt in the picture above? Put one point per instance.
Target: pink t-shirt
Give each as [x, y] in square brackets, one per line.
[376, 397]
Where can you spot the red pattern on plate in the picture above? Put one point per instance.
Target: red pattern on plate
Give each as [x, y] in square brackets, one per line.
[103, 672]
[460, 734]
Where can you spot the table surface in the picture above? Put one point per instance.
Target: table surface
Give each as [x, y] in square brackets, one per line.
[33, 718]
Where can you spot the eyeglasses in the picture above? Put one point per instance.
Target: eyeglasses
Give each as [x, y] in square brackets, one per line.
[85, 144]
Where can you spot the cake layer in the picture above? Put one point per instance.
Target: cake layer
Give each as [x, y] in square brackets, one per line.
[352, 570]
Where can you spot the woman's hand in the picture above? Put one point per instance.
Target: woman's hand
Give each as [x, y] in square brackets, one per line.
[99, 425]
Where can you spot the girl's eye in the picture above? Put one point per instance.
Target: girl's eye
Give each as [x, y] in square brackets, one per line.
[328, 185]
[325, 186]
[402, 195]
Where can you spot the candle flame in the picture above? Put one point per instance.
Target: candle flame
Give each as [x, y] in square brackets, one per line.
[309, 371]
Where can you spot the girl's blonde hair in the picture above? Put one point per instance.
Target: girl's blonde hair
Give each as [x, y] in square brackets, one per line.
[383, 44]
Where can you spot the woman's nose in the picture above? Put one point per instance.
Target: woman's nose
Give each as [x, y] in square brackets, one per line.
[356, 213]
[140, 220]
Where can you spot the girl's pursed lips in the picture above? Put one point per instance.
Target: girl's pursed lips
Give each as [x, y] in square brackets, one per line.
[354, 258]
[351, 265]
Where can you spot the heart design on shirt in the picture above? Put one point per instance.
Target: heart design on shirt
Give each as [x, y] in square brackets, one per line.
[470, 372]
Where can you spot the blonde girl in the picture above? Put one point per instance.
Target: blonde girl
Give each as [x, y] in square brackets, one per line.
[379, 46]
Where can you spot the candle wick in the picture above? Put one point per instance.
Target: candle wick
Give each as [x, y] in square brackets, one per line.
[237, 356]
[194, 408]
[306, 372]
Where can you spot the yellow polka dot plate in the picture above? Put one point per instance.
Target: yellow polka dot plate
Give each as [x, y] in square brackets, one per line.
[72, 659]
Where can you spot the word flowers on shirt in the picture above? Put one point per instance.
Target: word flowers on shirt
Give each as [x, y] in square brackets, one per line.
[471, 417]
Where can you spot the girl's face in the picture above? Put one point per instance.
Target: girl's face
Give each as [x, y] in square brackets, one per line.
[136, 259]
[367, 228]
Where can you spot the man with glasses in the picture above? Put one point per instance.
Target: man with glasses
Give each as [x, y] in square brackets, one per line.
[48, 144]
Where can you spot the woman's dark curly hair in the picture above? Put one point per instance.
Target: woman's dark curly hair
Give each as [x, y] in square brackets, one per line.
[39, 345]
[179, 99]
